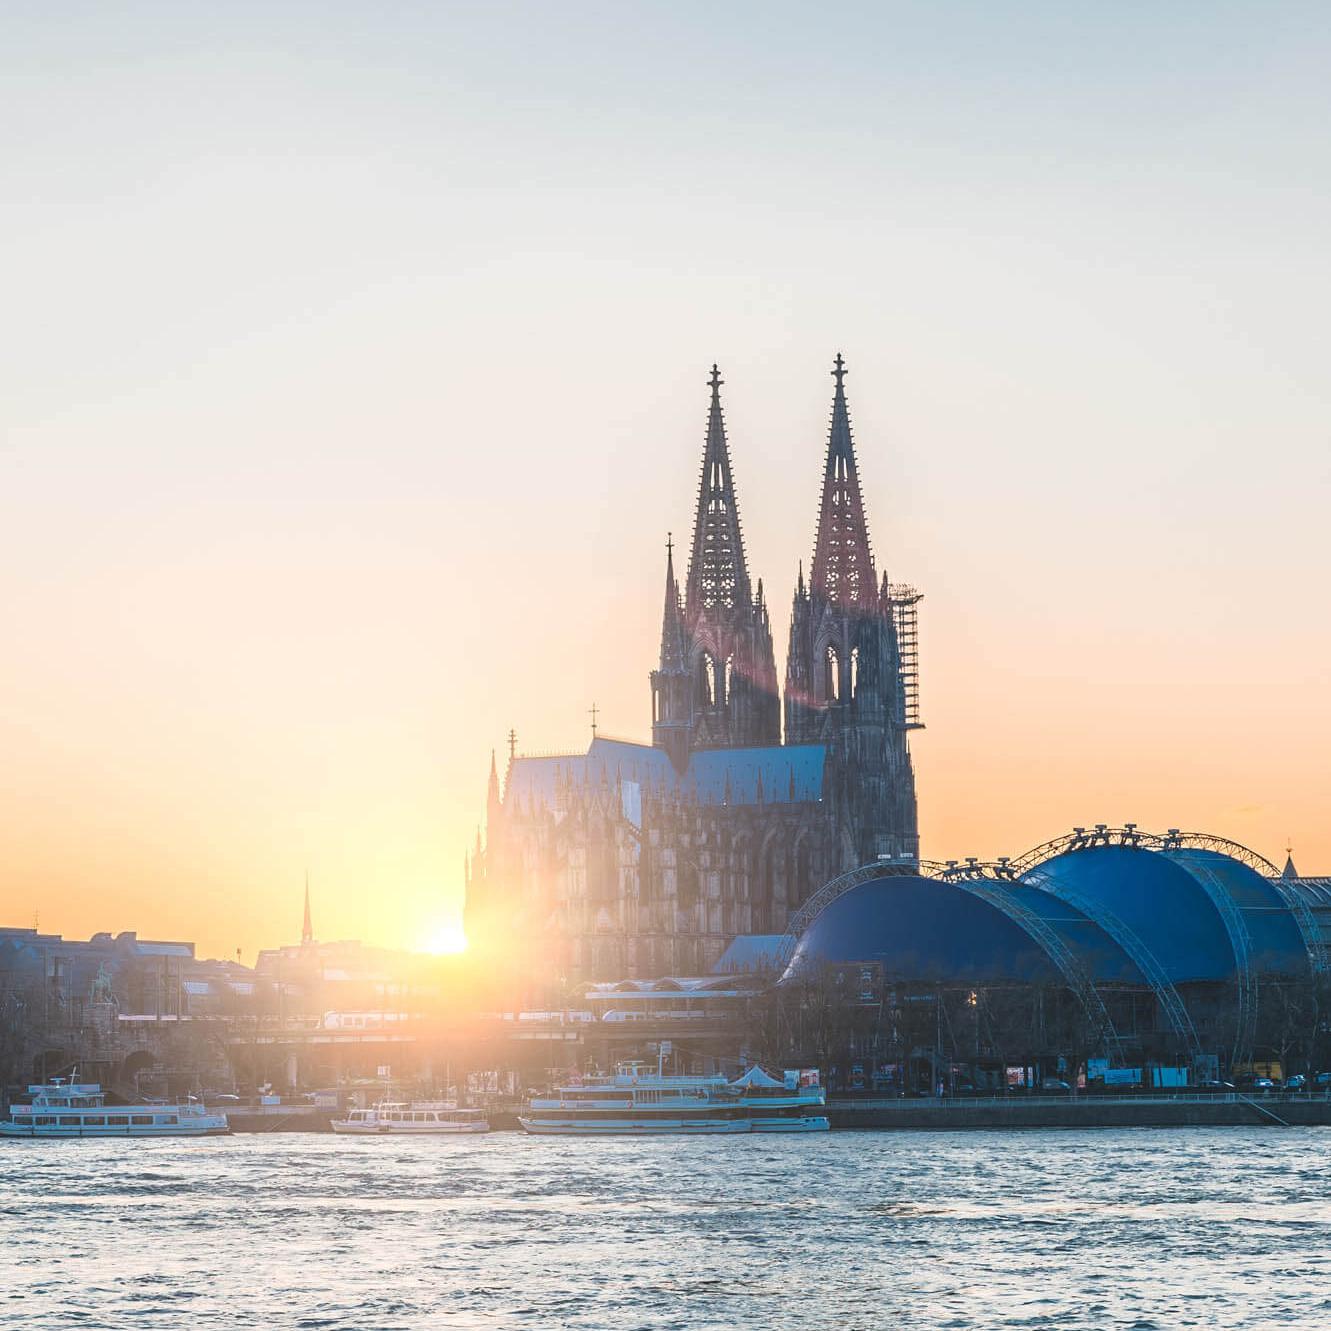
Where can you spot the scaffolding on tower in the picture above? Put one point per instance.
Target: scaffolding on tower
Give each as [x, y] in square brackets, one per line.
[906, 617]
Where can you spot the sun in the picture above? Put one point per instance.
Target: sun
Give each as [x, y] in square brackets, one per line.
[446, 939]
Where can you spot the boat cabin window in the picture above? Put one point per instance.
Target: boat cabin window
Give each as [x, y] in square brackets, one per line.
[167, 1118]
[140, 1119]
[70, 1120]
[117, 1120]
[94, 1120]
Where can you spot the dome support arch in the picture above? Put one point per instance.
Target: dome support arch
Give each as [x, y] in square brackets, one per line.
[1165, 993]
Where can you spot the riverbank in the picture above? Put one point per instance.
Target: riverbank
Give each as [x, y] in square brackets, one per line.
[1083, 1111]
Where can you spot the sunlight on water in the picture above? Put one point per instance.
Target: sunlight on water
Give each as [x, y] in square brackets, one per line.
[1204, 1228]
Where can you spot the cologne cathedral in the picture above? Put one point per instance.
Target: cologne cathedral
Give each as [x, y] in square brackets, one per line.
[639, 861]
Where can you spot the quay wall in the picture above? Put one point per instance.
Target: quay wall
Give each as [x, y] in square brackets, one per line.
[1074, 1111]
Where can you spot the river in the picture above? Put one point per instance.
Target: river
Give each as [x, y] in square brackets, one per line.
[1141, 1228]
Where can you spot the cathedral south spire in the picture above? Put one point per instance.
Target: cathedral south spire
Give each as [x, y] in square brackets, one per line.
[718, 575]
[733, 697]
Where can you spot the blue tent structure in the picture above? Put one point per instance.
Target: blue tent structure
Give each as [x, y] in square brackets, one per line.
[1201, 924]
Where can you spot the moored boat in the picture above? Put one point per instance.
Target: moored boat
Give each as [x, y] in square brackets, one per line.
[411, 1119]
[64, 1107]
[636, 1101]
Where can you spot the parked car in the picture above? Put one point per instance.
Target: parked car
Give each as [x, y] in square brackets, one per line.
[1258, 1085]
[1322, 1081]
[1055, 1085]
[1212, 1085]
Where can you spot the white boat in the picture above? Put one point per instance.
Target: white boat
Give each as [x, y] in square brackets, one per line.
[637, 1101]
[64, 1107]
[414, 1119]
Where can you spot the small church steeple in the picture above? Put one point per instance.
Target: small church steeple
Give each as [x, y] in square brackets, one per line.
[492, 799]
[307, 928]
[672, 713]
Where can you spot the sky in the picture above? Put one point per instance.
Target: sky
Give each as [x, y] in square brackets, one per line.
[353, 370]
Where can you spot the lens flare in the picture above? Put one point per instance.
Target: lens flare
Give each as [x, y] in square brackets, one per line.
[447, 938]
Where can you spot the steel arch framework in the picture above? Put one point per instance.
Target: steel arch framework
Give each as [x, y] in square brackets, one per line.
[1082, 838]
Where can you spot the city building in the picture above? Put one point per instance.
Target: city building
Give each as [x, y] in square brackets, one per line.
[638, 860]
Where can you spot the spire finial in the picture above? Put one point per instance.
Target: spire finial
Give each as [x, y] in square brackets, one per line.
[512, 744]
[715, 380]
[593, 712]
[840, 372]
[670, 545]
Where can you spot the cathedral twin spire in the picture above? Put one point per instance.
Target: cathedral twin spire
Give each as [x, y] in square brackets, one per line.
[716, 685]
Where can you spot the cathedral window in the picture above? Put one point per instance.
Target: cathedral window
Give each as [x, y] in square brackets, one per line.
[833, 669]
[854, 672]
[707, 679]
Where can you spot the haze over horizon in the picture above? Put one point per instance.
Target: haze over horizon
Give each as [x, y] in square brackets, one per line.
[356, 370]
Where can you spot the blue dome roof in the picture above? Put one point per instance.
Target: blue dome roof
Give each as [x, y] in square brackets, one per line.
[1095, 951]
[921, 929]
[1151, 896]
[1275, 944]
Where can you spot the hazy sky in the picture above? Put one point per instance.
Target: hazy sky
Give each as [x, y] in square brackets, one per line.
[352, 370]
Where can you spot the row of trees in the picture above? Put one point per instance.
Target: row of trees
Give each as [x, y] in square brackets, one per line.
[841, 1017]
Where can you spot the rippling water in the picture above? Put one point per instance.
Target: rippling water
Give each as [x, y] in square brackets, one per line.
[1207, 1228]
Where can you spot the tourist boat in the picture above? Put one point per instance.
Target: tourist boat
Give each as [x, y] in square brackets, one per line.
[64, 1107]
[636, 1101]
[417, 1118]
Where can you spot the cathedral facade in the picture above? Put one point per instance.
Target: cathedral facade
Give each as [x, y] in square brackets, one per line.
[637, 861]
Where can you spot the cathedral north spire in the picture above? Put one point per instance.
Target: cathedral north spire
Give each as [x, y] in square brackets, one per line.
[843, 571]
[844, 683]
[307, 925]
